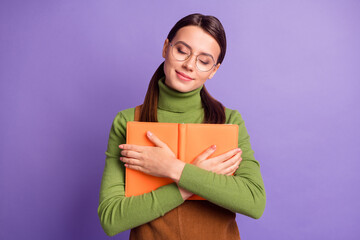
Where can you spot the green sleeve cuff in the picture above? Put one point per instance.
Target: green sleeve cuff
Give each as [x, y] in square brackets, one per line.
[190, 178]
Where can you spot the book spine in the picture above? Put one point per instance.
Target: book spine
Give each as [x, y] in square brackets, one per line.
[128, 126]
[181, 141]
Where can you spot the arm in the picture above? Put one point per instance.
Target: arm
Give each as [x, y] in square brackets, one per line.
[118, 213]
[243, 192]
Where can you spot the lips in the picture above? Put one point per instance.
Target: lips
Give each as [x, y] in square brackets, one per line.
[183, 76]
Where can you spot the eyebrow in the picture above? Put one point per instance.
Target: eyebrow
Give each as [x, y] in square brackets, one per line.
[208, 54]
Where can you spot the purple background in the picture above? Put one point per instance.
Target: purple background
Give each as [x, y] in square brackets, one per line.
[67, 67]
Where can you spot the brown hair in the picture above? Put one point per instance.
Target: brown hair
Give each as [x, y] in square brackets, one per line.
[213, 110]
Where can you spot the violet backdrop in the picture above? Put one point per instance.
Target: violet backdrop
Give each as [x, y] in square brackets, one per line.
[67, 67]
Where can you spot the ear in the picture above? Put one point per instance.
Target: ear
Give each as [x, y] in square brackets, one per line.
[214, 70]
[165, 47]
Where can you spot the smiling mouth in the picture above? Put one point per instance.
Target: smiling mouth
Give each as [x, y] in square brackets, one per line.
[183, 76]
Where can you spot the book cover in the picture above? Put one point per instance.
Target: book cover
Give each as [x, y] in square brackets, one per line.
[186, 140]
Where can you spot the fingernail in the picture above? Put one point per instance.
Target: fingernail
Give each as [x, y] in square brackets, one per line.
[213, 147]
[149, 133]
[121, 146]
[238, 150]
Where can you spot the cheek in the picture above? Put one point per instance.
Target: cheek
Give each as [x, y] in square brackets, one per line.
[167, 72]
[204, 76]
[166, 67]
[169, 67]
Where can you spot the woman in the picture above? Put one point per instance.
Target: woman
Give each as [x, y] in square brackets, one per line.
[193, 52]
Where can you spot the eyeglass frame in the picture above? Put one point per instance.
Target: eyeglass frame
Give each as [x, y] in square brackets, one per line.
[191, 53]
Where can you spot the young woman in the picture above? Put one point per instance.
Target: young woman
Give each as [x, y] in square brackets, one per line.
[193, 52]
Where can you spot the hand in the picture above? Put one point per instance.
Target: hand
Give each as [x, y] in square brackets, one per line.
[156, 160]
[226, 163]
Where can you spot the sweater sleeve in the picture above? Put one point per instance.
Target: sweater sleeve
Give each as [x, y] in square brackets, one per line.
[242, 192]
[118, 213]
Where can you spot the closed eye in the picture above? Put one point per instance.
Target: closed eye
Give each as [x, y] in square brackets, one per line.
[205, 63]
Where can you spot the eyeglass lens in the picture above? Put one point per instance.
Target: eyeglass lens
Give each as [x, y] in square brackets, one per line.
[203, 62]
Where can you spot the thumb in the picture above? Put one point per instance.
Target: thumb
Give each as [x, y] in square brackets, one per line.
[154, 139]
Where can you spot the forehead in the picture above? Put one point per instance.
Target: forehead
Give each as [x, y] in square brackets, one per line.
[198, 40]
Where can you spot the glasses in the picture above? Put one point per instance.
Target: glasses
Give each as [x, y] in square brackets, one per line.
[181, 52]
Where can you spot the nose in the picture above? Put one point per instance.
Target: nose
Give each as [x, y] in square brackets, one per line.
[189, 63]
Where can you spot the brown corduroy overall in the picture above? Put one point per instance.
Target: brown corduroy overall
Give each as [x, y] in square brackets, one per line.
[194, 219]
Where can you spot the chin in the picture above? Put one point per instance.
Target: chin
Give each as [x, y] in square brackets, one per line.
[180, 87]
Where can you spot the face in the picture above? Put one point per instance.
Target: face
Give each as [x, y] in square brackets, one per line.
[184, 76]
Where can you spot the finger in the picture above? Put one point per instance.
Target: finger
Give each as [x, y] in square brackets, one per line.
[154, 139]
[233, 168]
[130, 161]
[227, 155]
[138, 168]
[237, 165]
[233, 161]
[130, 154]
[207, 153]
[132, 147]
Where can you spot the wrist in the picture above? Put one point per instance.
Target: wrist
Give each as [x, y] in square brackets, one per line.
[184, 193]
[176, 170]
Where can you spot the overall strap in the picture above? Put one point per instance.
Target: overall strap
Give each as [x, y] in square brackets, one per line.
[137, 113]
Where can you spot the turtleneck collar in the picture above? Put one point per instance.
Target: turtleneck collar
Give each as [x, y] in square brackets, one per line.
[175, 101]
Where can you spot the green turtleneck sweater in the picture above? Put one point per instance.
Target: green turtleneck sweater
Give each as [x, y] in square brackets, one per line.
[242, 192]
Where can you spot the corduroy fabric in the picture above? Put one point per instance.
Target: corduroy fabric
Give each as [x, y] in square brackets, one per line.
[191, 220]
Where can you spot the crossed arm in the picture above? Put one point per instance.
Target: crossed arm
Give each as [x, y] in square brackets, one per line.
[242, 192]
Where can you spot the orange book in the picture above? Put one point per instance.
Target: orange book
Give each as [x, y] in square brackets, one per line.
[186, 140]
